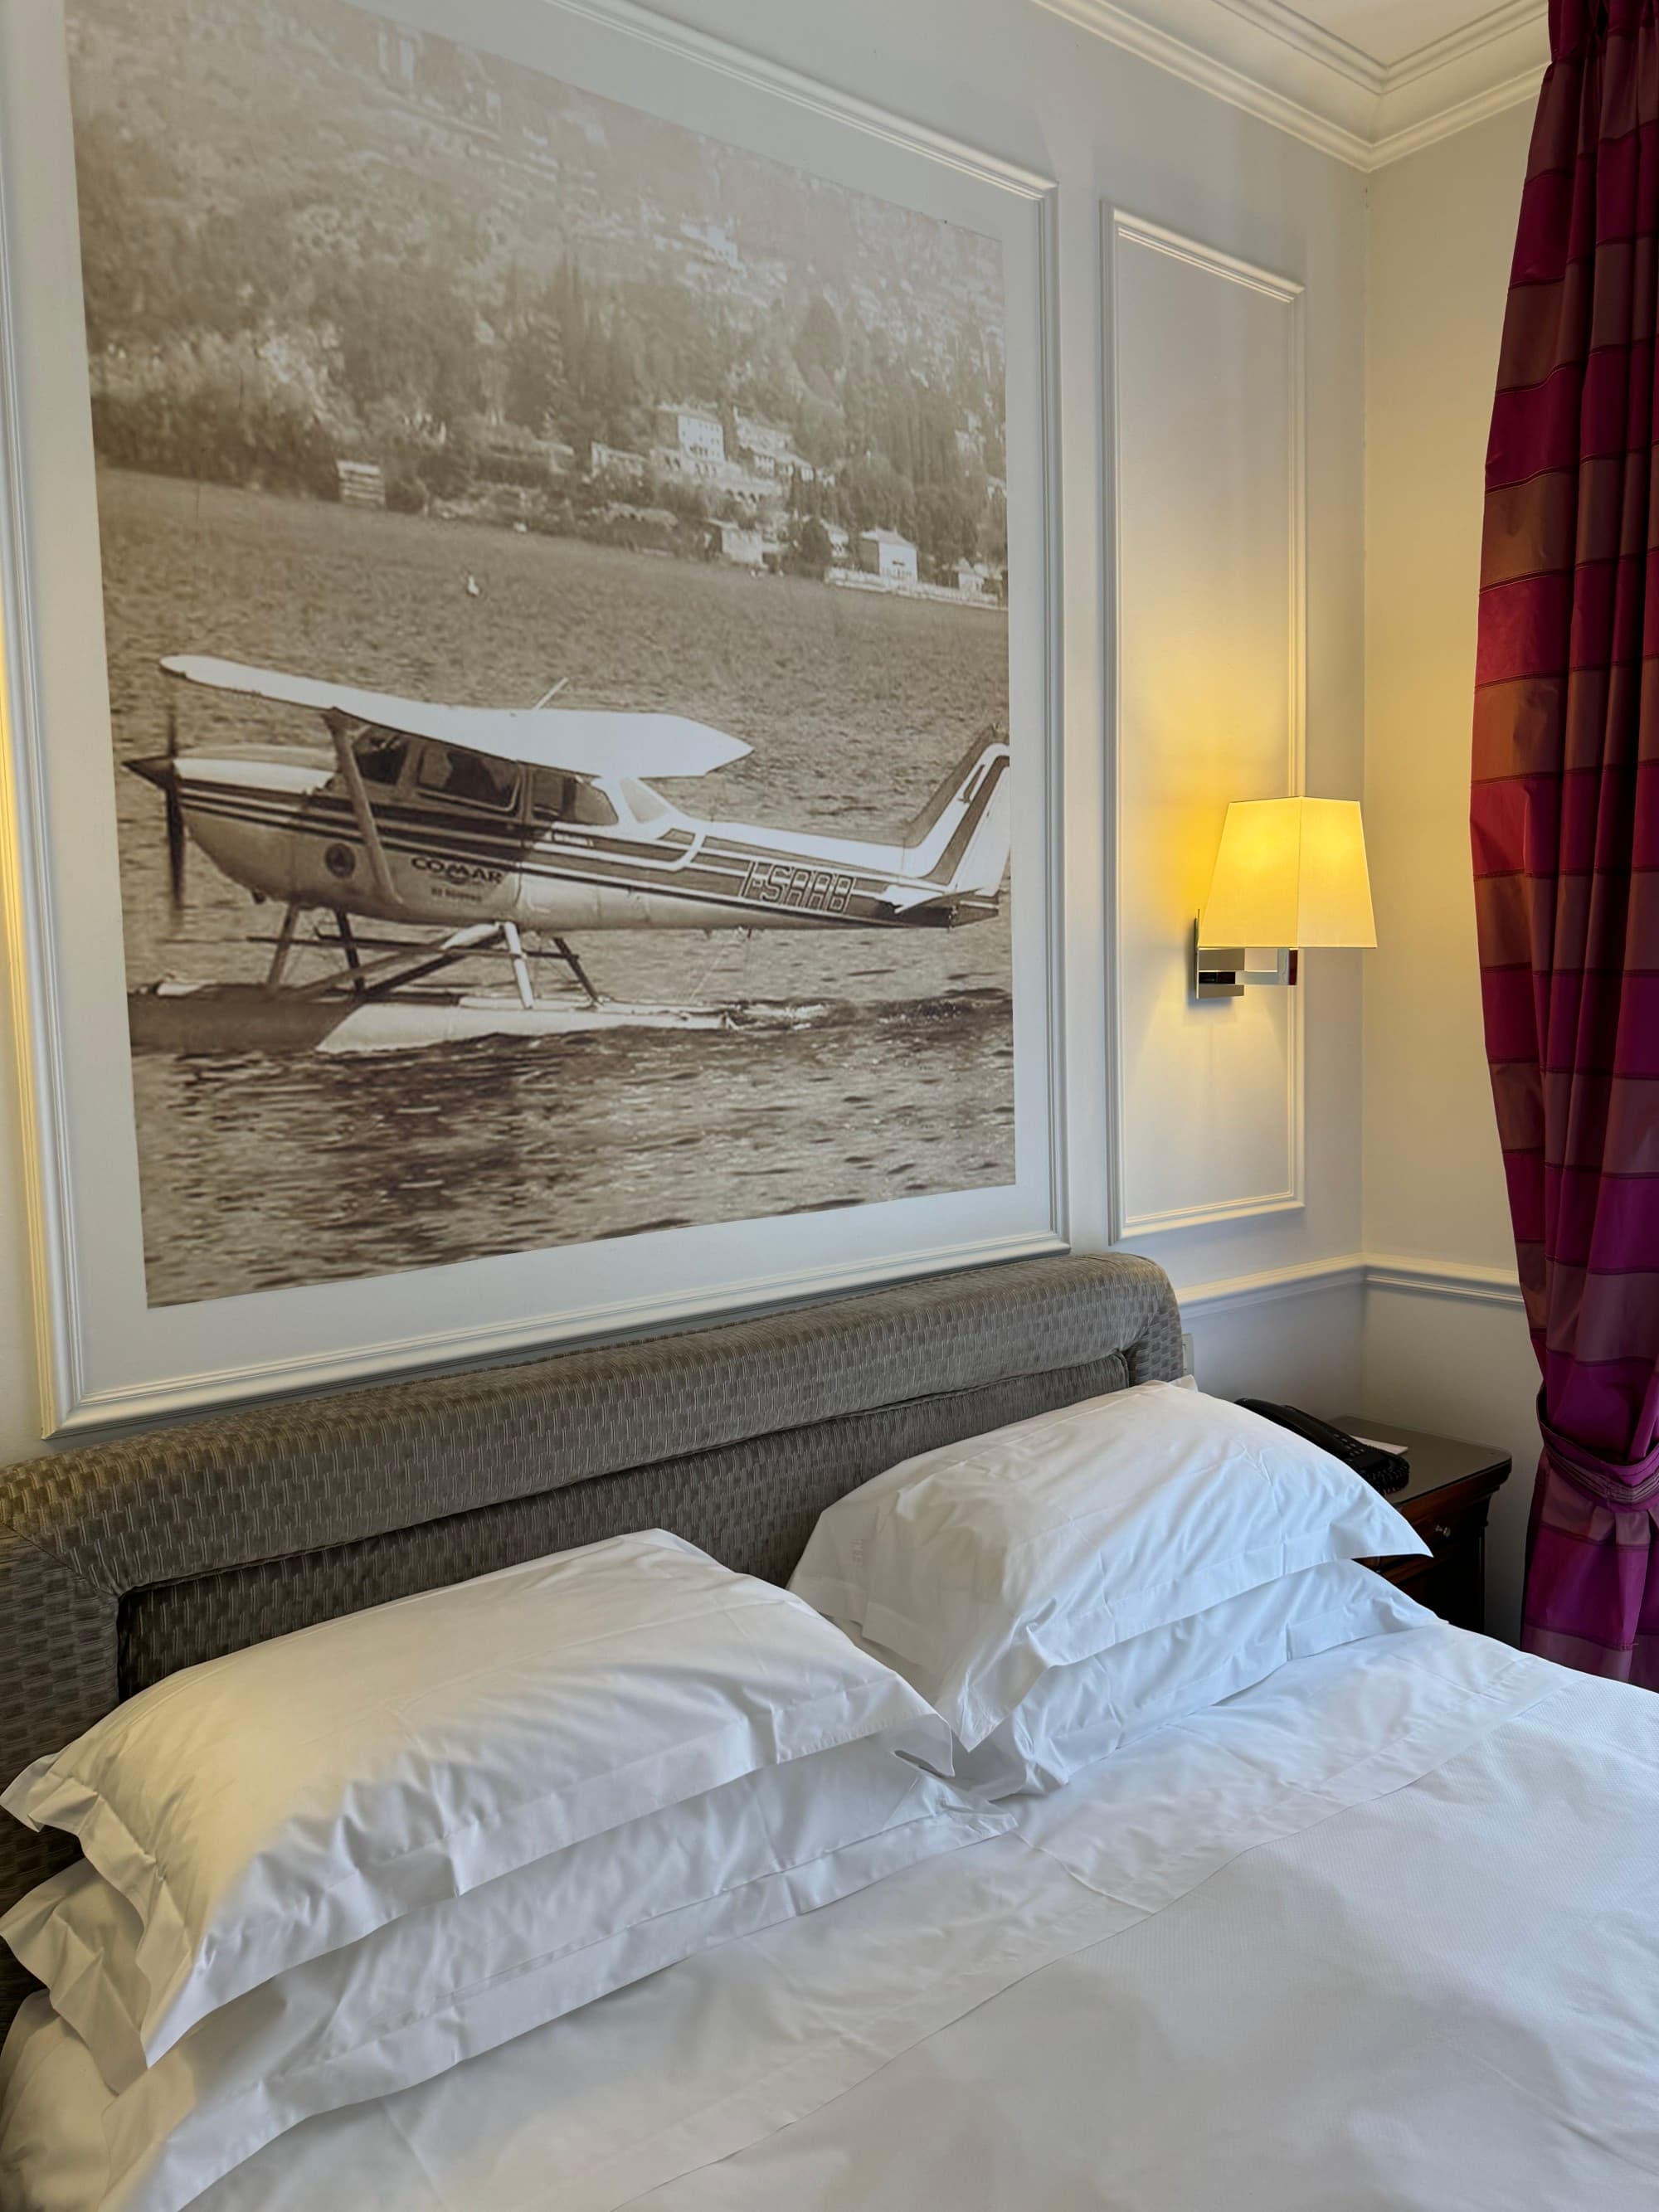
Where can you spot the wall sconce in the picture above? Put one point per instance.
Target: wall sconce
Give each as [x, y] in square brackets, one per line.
[1291, 873]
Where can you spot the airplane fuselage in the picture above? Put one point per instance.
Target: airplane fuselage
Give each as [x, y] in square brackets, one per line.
[282, 822]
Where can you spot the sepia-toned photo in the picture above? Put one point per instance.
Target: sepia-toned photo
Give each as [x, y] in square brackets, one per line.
[556, 593]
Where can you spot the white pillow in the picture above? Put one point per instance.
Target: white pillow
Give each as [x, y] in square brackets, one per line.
[982, 1564]
[1079, 1714]
[270, 1806]
[450, 1980]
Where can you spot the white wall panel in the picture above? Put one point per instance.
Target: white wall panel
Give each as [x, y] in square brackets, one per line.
[1304, 1348]
[1208, 437]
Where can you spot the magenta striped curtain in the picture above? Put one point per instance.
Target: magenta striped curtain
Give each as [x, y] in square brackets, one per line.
[1566, 824]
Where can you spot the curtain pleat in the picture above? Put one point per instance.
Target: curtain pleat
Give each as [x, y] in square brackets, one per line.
[1565, 822]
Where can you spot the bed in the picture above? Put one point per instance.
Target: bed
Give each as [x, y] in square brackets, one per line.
[1379, 1932]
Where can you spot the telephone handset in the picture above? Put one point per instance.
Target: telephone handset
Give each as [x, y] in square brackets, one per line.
[1385, 1471]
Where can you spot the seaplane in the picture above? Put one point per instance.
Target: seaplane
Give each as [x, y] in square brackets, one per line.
[498, 834]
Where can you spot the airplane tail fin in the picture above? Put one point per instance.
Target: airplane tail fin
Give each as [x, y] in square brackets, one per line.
[958, 845]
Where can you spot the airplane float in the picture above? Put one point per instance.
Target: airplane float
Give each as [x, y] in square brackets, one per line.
[497, 833]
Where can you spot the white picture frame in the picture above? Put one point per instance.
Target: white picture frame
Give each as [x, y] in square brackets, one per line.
[106, 1356]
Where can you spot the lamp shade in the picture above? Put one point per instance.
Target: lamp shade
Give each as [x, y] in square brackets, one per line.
[1291, 871]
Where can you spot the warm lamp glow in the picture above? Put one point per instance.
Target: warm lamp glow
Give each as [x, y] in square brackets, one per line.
[1291, 872]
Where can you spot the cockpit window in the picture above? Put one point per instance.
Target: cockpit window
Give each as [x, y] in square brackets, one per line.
[380, 756]
[474, 778]
[644, 803]
[556, 797]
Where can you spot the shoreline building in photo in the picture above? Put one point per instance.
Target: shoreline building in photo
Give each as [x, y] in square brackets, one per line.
[743, 544]
[885, 554]
[695, 437]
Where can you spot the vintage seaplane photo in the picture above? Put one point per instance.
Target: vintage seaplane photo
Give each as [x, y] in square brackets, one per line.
[499, 834]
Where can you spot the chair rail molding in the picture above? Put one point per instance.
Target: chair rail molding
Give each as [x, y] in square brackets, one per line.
[1275, 768]
[1434, 1279]
[1444, 1278]
[1268, 1286]
[1269, 59]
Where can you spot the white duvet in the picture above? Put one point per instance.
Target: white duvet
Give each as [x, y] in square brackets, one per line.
[1382, 1932]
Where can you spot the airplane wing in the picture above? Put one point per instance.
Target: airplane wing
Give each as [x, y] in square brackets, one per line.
[581, 742]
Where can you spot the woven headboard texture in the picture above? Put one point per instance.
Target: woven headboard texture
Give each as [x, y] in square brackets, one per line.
[123, 1562]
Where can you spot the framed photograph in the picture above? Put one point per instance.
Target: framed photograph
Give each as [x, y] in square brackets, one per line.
[531, 685]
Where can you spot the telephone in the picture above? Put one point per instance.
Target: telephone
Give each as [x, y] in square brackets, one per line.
[1385, 1471]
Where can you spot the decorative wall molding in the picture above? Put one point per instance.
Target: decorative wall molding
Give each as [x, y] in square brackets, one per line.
[1121, 229]
[1269, 59]
[1302, 1279]
[1436, 1279]
[1444, 1278]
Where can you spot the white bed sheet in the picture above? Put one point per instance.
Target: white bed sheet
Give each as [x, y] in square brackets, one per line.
[1379, 1933]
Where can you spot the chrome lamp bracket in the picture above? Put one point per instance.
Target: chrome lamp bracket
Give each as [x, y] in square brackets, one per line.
[1221, 971]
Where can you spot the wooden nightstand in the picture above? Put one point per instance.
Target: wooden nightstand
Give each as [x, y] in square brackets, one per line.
[1446, 1501]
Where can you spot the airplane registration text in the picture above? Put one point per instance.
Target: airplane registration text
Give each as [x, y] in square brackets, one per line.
[819, 891]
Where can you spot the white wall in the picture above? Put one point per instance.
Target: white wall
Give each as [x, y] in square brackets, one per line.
[1301, 1346]
[1018, 80]
[1456, 1358]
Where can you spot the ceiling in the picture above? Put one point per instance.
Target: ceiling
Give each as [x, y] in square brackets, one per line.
[1366, 80]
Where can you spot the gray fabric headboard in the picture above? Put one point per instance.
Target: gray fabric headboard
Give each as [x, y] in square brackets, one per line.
[122, 1563]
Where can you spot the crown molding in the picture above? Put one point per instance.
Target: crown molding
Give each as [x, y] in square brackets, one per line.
[1312, 41]
[1526, 22]
[1267, 57]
